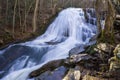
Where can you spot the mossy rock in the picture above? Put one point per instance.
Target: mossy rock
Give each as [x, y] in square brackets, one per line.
[117, 51]
[115, 61]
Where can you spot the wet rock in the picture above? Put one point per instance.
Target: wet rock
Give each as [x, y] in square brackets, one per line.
[50, 66]
[73, 74]
[52, 43]
[76, 50]
[57, 74]
[93, 22]
[92, 12]
[79, 57]
[12, 53]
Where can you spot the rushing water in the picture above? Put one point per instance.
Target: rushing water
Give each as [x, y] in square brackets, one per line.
[69, 30]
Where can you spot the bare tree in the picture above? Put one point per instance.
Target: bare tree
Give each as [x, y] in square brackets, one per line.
[6, 11]
[14, 16]
[110, 19]
[35, 15]
[107, 6]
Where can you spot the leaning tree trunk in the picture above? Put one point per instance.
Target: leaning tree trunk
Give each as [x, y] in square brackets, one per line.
[97, 8]
[110, 18]
[108, 12]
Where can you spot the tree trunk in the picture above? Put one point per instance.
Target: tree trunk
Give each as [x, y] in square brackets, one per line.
[13, 30]
[35, 15]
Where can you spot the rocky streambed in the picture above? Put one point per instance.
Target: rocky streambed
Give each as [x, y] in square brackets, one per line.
[96, 63]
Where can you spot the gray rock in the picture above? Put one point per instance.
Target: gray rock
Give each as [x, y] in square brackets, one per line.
[50, 66]
[57, 74]
[104, 48]
[80, 57]
[76, 50]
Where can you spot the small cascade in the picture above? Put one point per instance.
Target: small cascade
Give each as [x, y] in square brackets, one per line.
[69, 30]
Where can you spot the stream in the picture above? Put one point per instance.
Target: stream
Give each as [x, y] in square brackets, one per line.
[70, 29]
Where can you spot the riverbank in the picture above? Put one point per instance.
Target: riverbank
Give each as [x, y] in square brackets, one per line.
[93, 64]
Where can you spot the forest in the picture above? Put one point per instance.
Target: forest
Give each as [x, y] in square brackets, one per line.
[59, 39]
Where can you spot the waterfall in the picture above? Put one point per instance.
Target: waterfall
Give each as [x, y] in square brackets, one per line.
[69, 30]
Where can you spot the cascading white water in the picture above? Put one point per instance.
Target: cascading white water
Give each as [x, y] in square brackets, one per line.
[70, 29]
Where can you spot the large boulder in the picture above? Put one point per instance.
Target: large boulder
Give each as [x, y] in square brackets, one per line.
[50, 66]
[76, 50]
[104, 48]
[56, 74]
